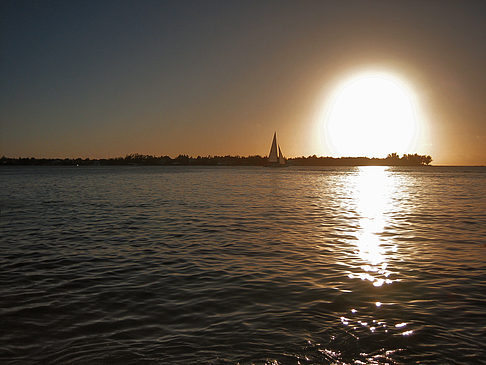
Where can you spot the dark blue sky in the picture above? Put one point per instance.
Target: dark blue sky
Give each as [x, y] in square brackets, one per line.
[107, 78]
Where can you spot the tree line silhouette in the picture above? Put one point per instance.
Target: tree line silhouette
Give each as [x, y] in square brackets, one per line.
[392, 159]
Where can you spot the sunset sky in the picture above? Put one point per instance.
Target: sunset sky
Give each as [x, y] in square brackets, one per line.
[108, 78]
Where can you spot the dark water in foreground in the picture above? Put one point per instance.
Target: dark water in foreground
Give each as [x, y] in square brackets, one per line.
[134, 265]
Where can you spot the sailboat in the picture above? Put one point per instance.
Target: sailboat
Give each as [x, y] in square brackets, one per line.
[274, 159]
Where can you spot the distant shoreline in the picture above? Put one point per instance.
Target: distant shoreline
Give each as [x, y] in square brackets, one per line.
[185, 160]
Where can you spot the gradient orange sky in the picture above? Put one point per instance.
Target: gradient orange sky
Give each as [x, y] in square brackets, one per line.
[109, 78]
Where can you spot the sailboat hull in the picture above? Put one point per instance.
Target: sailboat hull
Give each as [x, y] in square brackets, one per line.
[275, 164]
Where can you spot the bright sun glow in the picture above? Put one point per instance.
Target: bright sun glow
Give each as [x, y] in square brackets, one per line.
[372, 114]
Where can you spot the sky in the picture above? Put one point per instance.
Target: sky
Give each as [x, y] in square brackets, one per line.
[109, 78]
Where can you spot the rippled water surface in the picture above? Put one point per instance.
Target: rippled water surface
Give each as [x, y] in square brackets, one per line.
[183, 265]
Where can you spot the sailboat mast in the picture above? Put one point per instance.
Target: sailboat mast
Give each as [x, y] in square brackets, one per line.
[272, 156]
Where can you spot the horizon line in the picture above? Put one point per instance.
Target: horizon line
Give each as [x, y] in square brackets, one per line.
[201, 156]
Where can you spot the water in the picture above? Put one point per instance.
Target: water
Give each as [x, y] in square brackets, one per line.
[180, 265]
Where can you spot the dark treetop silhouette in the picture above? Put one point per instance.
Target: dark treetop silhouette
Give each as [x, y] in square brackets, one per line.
[185, 160]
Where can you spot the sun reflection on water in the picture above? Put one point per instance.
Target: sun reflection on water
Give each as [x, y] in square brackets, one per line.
[372, 195]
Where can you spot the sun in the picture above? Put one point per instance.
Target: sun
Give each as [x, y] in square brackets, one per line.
[372, 114]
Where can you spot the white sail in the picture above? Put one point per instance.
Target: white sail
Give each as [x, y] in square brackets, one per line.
[272, 156]
[281, 159]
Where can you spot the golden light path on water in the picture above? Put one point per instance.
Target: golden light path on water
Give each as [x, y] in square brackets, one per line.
[375, 195]
[374, 187]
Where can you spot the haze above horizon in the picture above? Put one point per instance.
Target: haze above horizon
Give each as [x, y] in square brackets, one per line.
[110, 78]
